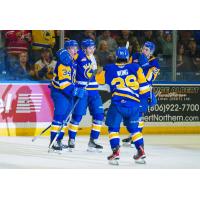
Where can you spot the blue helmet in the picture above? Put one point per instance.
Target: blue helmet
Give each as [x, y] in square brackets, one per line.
[64, 56]
[87, 43]
[151, 46]
[122, 53]
[70, 43]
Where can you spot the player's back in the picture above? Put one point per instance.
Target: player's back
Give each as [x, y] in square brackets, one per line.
[123, 81]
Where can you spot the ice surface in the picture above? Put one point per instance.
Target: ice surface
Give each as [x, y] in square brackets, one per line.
[163, 151]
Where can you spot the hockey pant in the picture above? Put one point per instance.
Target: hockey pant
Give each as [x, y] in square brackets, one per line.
[62, 107]
[95, 105]
[130, 116]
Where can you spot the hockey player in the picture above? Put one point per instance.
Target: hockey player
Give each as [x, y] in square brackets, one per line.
[150, 68]
[63, 91]
[86, 66]
[127, 83]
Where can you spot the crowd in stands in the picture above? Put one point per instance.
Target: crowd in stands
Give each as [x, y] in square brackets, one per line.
[30, 55]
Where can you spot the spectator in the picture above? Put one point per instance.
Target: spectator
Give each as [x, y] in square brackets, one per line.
[182, 65]
[115, 34]
[24, 69]
[15, 43]
[45, 66]
[165, 40]
[128, 36]
[87, 34]
[167, 44]
[148, 36]
[193, 56]
[184, 38]
[103, 55]
[57, 42]
[112, 44]
[197, 38]
[42, 39]
[159, 47]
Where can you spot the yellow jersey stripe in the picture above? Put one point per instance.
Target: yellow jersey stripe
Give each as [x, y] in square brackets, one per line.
[91, 88]
[73, 128]
[141, 77]
[125, 95]
[137, 136]
[113, 135]
[145, 91]
[65, 85]
[96, 127]
[141, 124]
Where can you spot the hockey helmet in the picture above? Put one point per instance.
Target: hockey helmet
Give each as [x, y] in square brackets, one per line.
[87, 43]
[70, 43]
[122, 53]
[151, 46]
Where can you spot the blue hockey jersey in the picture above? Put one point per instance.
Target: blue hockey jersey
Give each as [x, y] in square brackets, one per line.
[127, 82]
[85, 70]
[151, 70]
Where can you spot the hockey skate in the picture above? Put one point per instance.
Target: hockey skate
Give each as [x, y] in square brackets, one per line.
[71, 144]
[140, 156]
[132, 144]
[126, 141]
[65, 147]
[92, 146]
[114, 158]
[56, 148]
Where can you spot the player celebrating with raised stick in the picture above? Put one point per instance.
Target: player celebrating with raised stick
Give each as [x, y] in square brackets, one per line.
[150, 67]
[127, 84]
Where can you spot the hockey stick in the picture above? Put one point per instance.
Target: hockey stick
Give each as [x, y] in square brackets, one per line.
[37, 136]
[65, 122]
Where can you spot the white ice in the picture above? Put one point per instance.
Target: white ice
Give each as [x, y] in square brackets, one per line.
[163, 151]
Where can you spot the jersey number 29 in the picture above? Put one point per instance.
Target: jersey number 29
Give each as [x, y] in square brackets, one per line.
[129, 81]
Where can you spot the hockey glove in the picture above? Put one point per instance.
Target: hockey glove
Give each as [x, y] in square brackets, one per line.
[79, 92]
[143, 61]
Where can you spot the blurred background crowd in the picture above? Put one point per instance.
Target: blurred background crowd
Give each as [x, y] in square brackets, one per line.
[31, 55]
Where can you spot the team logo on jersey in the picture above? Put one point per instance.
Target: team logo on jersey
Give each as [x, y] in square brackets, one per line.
[88, 71]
